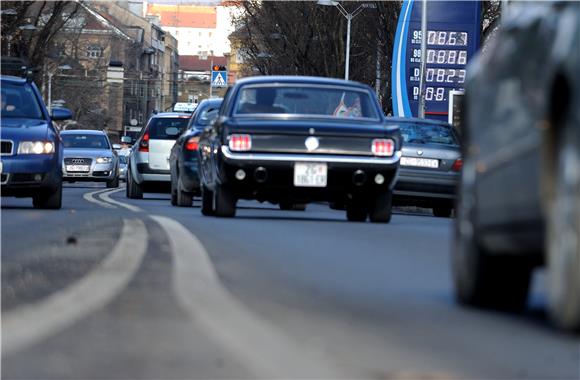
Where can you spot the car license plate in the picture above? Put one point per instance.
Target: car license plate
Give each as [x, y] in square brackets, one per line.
[420, 162]
[1, 167]
[308, 174]
[77, 168]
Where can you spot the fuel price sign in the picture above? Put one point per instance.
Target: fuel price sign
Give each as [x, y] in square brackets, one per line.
[453, 38]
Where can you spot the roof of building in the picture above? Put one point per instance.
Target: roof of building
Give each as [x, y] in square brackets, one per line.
[184, 16]
[194, 63]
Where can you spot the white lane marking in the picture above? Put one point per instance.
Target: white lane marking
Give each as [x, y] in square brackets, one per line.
[105, 196]
[89, 197]
[267, 351]
[30, 324]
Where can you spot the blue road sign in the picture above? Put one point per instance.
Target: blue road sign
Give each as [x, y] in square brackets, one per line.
[219, 78]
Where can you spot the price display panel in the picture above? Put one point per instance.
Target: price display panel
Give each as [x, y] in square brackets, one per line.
[453, 37]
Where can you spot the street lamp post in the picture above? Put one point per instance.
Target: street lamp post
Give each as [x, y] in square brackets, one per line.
[349, 17]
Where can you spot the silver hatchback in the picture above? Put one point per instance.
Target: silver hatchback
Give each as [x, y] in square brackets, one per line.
[149, 158]
[88, 156]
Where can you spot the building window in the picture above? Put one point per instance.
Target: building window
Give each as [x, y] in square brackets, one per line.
[94, 51]
[140, 117]
[142, 90]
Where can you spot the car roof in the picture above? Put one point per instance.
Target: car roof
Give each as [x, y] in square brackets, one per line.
[417, 120]
[270, 79]
[171, 114]
[12, 79]
[83, 131]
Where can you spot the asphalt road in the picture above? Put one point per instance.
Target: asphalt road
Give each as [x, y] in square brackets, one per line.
[111, 288]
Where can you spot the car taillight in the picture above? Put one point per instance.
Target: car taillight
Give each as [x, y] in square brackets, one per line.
[144, 144]
[192, 144]
[383, 147]
[240, 143]
[457, 165]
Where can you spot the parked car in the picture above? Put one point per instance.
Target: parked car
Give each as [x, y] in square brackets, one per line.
[149, 158]
[89, 157]
[519, 199]
[294, 140]
[31, 148]
[183, 159]
[429, 167]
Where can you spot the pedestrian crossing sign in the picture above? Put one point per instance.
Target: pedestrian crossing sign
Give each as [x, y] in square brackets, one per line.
[219, 78]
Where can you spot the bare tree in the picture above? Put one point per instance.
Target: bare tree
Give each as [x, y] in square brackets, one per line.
[302, 38]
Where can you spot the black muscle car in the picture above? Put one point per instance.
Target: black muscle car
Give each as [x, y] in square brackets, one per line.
[292, 140]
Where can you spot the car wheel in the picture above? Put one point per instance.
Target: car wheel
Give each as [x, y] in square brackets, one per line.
[184, 199]
[482, 279]
[49, 200]
[114, 183]
[134, 191]
[381, 209]
[356, 213]
[206, 201]
[224, 202]
[442, 212]
[173, 192]
[563, 242]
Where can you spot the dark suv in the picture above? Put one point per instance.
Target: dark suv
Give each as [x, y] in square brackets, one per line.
[31, 155]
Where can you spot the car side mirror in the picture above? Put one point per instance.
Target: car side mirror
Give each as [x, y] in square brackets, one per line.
[61, 114]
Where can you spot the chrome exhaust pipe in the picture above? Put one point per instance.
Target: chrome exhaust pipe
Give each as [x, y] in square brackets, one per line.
[260, 174]
[359, 178]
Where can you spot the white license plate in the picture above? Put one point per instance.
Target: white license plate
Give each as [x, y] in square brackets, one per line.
[77, 168]
[308, 174]
[420, 162]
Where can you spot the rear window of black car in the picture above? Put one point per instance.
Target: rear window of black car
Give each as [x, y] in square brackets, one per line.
[19, 101]
[84, 141]
[167, 128]
[428, 134]
[306, 100]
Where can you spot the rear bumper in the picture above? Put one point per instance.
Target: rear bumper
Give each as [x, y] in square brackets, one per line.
[271, 176]
[415, 187]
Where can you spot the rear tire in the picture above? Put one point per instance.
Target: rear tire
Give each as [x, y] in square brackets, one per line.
[442, 212]
[184, 199]
[356, 214]
[173, 192]
[114, 183]
[480, 278]
[134, 190]
[224, 202]
[381, 209]
[206, 201]
[50, 200]
[563, 248]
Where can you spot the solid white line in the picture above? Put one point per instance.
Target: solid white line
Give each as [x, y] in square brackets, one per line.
[32, 323]
[89, 197]
[263, 348]
[105, 196]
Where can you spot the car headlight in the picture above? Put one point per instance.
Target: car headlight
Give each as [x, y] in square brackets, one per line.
[104, 160]
[35, 147]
